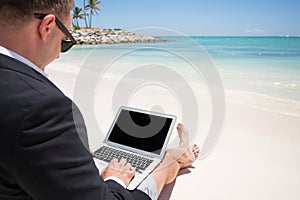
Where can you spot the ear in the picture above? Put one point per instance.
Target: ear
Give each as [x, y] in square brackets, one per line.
[47, 26]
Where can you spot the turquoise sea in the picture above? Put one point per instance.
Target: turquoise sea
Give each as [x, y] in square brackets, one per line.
[263, 65]
[268, 65]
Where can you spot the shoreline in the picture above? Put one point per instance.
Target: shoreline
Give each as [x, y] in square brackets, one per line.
[111, 36]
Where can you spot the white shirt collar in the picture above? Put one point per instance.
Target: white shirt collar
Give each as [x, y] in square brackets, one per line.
[20, 58]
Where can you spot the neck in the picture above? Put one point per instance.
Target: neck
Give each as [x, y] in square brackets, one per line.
[21, 42]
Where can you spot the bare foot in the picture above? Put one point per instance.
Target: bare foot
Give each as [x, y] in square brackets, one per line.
[188, 154]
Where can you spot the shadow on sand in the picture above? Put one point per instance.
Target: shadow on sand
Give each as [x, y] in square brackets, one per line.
[168, 189]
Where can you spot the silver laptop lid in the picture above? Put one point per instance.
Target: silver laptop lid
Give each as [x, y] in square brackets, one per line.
[140, 131]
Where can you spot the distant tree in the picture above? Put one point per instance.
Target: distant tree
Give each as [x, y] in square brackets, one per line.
[85, 13]
[77, 14]
[94, 8]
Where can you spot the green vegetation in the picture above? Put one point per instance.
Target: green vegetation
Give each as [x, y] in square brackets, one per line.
[90, 8]
[77, 14]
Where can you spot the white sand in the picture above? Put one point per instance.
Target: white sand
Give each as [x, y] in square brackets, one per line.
[257, 157]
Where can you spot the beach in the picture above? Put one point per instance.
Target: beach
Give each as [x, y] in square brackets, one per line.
[256, 154]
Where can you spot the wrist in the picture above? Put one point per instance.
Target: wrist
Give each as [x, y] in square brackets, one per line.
[119, 181]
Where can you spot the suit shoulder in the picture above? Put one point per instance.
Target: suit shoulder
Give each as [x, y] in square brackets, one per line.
[32, 83]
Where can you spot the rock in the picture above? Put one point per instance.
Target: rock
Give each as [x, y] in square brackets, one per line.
[107, 36]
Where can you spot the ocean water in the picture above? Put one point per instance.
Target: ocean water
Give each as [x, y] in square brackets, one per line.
[262, 65]
[267, 65]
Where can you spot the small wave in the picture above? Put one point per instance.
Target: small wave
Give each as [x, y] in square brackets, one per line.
[265, 102]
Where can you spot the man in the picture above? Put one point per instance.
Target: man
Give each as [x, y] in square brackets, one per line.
[42, 156]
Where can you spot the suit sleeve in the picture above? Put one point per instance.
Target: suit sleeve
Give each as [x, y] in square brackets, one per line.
[51, 161]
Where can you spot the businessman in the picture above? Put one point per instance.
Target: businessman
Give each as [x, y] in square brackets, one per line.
[42, 155]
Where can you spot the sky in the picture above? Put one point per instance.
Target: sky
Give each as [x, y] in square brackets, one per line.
[203, 17]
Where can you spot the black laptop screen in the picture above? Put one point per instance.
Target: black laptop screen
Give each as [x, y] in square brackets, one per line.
[142, 131]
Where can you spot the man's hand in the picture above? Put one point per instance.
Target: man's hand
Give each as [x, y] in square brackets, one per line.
[121, 170]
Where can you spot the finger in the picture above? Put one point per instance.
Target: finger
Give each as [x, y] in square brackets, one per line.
[129, 169]
[123, 161]
[113, 161]
[128, 166]
[132, 170]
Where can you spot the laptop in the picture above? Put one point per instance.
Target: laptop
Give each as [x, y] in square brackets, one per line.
[140, 137]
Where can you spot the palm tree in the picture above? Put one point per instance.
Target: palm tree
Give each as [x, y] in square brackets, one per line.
[77, 14]
[93, 7]
[85, 13]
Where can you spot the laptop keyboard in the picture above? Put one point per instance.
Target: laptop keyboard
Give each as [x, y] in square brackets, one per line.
[138, 162]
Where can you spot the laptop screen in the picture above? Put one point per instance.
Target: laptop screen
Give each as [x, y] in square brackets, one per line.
[143, 131]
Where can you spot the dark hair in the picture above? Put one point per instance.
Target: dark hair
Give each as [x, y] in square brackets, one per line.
[16, 12]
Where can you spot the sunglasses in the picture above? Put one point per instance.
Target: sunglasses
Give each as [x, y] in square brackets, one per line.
[65, 44]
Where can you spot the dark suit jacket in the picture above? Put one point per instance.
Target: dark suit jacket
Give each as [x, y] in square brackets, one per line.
[41, 154]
